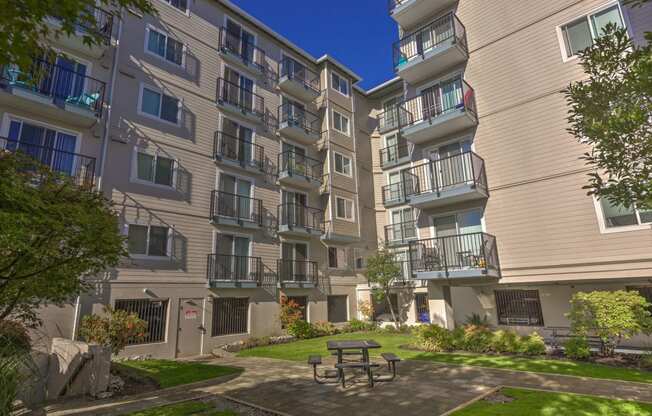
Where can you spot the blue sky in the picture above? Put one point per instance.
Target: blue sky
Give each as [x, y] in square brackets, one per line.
[358, 33]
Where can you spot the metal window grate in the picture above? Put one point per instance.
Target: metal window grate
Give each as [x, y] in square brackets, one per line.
[421, 303]
[337, 308]
[154, 312]
[230, 316]
[519, 307]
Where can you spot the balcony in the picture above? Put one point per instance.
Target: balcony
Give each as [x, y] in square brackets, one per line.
[388, 120]
[102, 28]
[400, 234]
[297, 273]
[394, 155]
[446, 181]
[409, 13]
[237, 152]
[298, 124]
[332, 236]
[432, 49]
[446, 109]
[236, 210]
[79, 168]
[300, 221]
[298, 81]
[54, 91]
[296, 169]
[240, 101]
[241, 52]
[463, 256]
[228, 271]
[393, 194]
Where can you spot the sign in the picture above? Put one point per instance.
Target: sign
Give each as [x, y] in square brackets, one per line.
[190, 314]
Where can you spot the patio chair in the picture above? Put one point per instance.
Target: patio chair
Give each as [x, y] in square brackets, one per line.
[329, 376]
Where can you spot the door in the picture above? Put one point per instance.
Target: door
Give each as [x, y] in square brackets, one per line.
[402, 220]
[247, 50]
[293, 264]
[235, 197]
[430, 102]
[451, 95]
[52, 148]
[233, 36]
[190, 328]
[338, 308]
[301, 269]
[447, 246]
[391, 143]
[246, 93]
[241, 258]
[233, 257]
[294, 159]
[69, 78]
[452, 164]
[396, 186]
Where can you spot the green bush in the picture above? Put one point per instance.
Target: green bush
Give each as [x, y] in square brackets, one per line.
[477, 339]
[356, 325]
[532, 344]
[302, 329]
[505, 341]
[325, 328]
[476, 320]
[646, 361]
[577, 348]
[113, 330]
[434, 338]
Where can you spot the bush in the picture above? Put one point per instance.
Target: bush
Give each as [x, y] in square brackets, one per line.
[477, 339]
[532, 344]
[115, 330]
[290, 312]
[16, 365]
[646, 361]
[476, 320]
[577, 348]
[324, 328]
[434, 338]
[302, 329]
[356, 325]
[366, 309]
[505, 341]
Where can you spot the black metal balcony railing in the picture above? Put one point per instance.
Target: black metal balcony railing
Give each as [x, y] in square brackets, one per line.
[102, 26]
[297, 164]
[241, 208]
[455, 253]
[392, 4]
[226, 146]
[297, 215]
[297, 271]
[440, 100]
[447, 28]
[68, 86]
[229, 268]
[389, 120]
[400, 233]
[79, 168]
[393, 154]
[243, 99]
[393, 193]
[296, 71]
[249, 53]
[298, 117]
[444, 174]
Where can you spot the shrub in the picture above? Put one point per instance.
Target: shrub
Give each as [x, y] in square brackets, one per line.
[532, 344]
[324, 328]
[612, 316]
[290, 312]
[477, 339]
[476, 320]
[366, 309]
[434, 338]
[115, 330]
[503, 341]
[356, 325]
[577, 348]
[646, 361]
[14, 335]
[16, 365]
[302, 329]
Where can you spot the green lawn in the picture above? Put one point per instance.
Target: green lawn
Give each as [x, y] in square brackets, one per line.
[300, 350]
[184, 409]
[537, 403]
[168, 373]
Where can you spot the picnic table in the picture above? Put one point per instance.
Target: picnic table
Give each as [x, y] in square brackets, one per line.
[343, 347]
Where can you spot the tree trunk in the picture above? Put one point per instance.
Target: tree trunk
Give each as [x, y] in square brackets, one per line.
[391, 309]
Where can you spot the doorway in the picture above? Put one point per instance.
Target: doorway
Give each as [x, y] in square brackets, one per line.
[190, 327]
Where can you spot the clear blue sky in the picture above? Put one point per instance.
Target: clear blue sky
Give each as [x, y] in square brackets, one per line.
[358, 33]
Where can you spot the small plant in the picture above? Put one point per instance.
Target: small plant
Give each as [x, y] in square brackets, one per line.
[356, 325]
[325, 328]
[302, 329]
[290, 312]
[505, 341]
[477, 338]
[114, 330]
[476, 320]
[577, 348]
[434, 338]
[532, 344]
[366, 309]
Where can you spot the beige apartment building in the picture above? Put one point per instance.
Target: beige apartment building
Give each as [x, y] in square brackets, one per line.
[245, 170]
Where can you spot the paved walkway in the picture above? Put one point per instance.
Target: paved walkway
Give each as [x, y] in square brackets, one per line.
[421, 388]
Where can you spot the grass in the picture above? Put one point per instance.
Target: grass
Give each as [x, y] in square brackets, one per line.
[538, 403]
[168, 373]
[185, 409]
[300, 350]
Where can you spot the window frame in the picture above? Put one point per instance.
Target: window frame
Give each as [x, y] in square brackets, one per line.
[340, 78]
[343, 173]
[150, 28]
[186, 12]
[602, 221]
[160, 92]
[523, 294]
[247, 318]
[348, 123]
[134, 169]
[352, 219]
[147, 256]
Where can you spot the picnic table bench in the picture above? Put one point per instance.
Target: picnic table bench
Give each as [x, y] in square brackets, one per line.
[561, 334]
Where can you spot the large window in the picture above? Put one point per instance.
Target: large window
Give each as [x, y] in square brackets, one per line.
[342, 165]
[230, 316]
[344, 209]
[618, 216]
[164, 46]
[519, 307]
[338, 308]
[581, 33]
[341, 123]
[156, 169]
[337, 257]
[148, 240]
[339, 84]
[156, 104]
[152, 311]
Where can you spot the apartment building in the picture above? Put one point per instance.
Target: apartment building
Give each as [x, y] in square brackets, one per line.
[245, 170]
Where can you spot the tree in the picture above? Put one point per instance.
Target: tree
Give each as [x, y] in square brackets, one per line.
[52, 235]
[25, 25]
[611, 112]
[382, 272]
[612, 316]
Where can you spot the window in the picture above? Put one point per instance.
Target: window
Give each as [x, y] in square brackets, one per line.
[581, 33]
[159, 105]
[338, 309]
[152, 311]
[230, 316]
[164, 46]
[336, 257]
[155, 169]
[340, 123]
[342, 164]
[381, 308]
[423, 310]
[344, 209]
[619, 216]
[339, 84]
[179, 4]
[147, 240]
[519, 307]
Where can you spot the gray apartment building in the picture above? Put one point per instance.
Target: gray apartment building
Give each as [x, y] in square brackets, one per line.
[244, 170]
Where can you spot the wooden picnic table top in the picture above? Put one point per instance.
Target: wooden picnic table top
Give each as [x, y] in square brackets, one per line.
[352, 344]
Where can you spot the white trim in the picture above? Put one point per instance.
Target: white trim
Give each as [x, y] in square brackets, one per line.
[456, 213]
[247, 125]
[238, 177]
[348, 124]
[348, 83]
[133, 177]
[602, 223]
[335, 153]
[149, 27]
[245, 28]
[160, 91]
[352, 219]
[168, 248]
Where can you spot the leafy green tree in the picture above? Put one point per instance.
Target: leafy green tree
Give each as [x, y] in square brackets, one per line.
[114, 330]
[25, 25]
[612, 316]
[382, 272]
[611, 112]
[52, 235]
